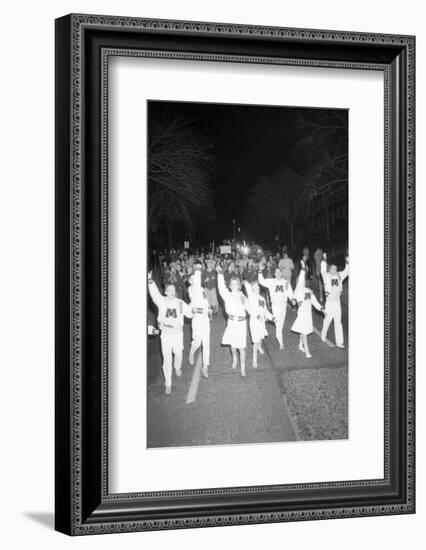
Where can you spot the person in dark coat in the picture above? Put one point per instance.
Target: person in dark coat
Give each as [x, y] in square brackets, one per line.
[304, 263]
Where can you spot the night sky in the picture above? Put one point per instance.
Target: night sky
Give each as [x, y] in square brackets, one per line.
[249, 141]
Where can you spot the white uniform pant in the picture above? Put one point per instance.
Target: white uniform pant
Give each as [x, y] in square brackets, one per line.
[279, 311]
[171, 344]
[333, 312]
[201, 337]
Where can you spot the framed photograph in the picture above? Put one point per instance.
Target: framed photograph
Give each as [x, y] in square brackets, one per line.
[234, 274]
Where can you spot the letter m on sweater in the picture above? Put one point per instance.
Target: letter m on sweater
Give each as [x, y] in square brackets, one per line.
[171, 312]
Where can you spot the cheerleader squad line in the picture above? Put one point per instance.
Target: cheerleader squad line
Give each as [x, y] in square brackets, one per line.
[208, 276]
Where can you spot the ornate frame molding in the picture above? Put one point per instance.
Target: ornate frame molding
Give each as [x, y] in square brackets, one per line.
[78, 523]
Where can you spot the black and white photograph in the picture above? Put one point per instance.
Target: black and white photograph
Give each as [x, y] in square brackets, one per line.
[209, 306]
[248, 277]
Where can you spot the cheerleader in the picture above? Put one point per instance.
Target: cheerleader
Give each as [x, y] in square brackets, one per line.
[305, 300]
[280, 291]
[259, 313]
[235, 334]
[171, 311]
[201, 319]
[333, 286]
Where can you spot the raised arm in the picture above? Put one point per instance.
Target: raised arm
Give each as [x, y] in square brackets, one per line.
[196, 282]
[197, 278]
[324, 266]
[195, 288]
[264, 282]
[249, 290]
[157, 298]
[223, 291]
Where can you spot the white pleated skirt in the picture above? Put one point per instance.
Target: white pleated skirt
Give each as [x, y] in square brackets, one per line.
[303, 323]
[257, 330]
[235, 334]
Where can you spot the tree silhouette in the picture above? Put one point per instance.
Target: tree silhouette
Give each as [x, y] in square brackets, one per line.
[317, 167]
[179, 165]
[320, 155]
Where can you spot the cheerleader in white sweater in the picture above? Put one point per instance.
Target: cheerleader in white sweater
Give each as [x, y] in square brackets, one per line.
[171, 311]
[305, 300]
[201, 319]
[333, 286]
[280, 291]
[236, 305]
[259, 314]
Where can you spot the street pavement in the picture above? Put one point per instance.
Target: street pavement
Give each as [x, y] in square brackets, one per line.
[287, 398]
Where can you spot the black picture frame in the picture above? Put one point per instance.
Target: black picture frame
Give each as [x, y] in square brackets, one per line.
[83, 45]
